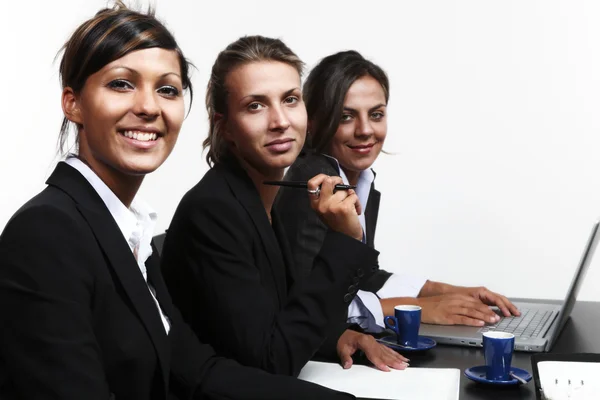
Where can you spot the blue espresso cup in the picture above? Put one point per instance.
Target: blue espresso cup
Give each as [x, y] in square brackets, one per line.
[498, 349]
[405, 322]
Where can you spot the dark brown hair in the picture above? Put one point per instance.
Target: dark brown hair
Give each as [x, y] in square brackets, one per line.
[111, 34]
[325, 89]
[243, 51]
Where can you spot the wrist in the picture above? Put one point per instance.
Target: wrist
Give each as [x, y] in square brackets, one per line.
[432, 288]
[360, 236]
[387, 305]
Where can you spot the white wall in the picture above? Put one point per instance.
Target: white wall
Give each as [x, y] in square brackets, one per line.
[494, 122]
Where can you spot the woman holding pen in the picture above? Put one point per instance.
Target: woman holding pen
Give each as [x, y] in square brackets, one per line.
[347, 97]
[225, 257]
[84, 311]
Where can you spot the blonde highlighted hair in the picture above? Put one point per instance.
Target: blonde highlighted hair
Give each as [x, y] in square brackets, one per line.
[111, 34]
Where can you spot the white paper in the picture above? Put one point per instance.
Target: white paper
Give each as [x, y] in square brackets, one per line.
[562, 380]
[409, 384]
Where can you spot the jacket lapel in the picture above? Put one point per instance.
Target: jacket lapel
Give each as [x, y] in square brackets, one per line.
[243, 189]
[371, 213]
[119, 255]
[371, 210]
[286, 250]
[156, 280]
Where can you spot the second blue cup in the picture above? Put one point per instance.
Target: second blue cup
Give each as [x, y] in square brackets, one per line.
[498, 349]
[405, 322]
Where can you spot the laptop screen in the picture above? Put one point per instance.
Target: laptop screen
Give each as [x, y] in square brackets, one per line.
[569, 302]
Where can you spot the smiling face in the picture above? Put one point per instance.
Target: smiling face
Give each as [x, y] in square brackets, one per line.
[266, 121]
[362, 130]
[129, 113]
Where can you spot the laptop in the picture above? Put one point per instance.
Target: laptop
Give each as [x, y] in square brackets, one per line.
[539, 324]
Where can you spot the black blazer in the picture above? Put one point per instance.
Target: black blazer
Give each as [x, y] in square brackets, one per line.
[231, 274]
[77, 320]
[304, 229]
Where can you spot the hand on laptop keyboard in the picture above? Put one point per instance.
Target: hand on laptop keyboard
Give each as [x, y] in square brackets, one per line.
[455, 309]
[445, 304]
[490, 298]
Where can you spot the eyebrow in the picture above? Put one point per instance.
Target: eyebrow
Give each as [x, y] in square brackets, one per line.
[262, 97]
[133, 71]
[370, 109]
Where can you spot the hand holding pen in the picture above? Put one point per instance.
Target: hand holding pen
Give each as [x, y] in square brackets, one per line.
[338, 209]
[336, 203]
[304, 185]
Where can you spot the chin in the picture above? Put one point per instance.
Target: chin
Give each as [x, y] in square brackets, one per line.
[360, 166]
[141, 166]
[284, 162]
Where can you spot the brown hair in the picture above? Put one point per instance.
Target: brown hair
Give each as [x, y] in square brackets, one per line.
[245, 50]
[325, 90]
[111, 34]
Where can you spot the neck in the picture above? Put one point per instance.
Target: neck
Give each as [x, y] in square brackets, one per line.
[352, 176]
[267, 193]
[124, 186]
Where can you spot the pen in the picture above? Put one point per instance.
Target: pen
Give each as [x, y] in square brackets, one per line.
[304, 185]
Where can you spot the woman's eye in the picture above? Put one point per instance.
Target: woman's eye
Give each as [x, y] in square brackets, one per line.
[377, 115]
[254, 106]
[170, 91]
[291, 100]
[120, 84]
[346, 117]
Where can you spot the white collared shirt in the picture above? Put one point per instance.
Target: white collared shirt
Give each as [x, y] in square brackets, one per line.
[397, 285]
[136, 223]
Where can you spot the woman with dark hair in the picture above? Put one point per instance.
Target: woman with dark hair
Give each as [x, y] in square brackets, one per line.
[84, 312]
[225, 257]
[346, 99]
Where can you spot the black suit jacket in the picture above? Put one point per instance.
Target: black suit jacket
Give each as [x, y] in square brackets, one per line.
[304, 229]
[231, 274]
[77, 320]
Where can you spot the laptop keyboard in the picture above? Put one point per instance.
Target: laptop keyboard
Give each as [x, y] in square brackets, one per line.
[528, 325]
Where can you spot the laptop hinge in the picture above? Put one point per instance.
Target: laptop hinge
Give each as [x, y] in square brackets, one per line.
[549, 323]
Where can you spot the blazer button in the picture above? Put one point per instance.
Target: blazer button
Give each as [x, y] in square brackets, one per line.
[352, 289]
[360, 273]
[347, 298]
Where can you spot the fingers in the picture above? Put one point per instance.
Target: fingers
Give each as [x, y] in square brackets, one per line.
[458, 309]
[337, 210]
[381, 356]
[500, 303]
[464, 320]
[508, 309]
[494, 299]
[464, 317]
[394, 359]
[346, 360]
[512, 308]
[328, 186]
[320, 189]
[350, 201]
[314, 189]
[346, 346]
[479, 310]
[357, 206]
[317, 181]
[384, 358]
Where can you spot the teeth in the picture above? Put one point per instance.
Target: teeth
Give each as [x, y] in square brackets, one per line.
[141, 136]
